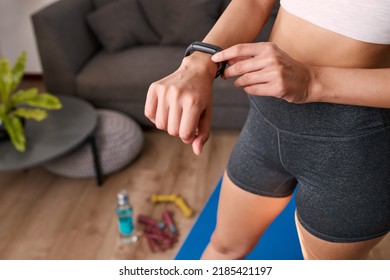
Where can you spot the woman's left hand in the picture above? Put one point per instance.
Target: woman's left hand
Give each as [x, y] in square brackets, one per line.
[265, 70]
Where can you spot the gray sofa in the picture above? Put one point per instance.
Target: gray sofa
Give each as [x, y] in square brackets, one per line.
[83, 53]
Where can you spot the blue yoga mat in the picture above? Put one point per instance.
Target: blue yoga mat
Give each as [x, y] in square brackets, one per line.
[279, 242]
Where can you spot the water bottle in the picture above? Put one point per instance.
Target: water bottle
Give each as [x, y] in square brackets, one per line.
[124, 212]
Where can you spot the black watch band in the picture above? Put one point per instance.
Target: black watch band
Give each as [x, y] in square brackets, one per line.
[206, 48]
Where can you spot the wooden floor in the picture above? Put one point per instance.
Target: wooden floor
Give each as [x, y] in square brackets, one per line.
[45, 216]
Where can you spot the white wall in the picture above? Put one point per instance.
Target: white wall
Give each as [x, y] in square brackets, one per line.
[16, 31]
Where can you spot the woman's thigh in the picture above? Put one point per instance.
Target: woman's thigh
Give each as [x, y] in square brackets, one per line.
[255, 189]
[314, 248]
[241, 220]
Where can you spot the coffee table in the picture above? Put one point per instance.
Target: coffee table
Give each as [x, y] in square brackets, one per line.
[62, 131]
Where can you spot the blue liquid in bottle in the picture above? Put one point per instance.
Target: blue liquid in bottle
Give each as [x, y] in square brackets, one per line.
[124, 212]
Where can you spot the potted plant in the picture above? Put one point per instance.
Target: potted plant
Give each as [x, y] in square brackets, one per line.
[18, 105]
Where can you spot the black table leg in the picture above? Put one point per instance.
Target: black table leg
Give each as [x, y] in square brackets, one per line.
[96, 159]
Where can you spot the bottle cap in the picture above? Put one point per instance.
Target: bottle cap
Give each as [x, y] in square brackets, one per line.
[123, 197]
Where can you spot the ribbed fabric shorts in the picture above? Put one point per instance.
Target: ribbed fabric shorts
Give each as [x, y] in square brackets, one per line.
[338, 154]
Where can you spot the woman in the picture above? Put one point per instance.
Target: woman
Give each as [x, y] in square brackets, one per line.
[319, 115]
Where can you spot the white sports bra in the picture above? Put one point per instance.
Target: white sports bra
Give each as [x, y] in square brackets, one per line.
[363, 20]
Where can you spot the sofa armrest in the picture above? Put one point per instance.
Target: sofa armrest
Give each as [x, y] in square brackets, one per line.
[64, 41]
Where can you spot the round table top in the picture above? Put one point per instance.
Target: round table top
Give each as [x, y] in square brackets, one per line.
[60, 132]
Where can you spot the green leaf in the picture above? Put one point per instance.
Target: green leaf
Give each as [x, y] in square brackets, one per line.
[15, 131]
[18, 70]
[42, 100]
[22, 96]
[35, 114]
[5, 80]
[2, 111]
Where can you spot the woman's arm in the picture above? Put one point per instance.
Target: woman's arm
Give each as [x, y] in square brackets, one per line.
[241, 22]
[181, 102]
[268, 71]
[365, 87]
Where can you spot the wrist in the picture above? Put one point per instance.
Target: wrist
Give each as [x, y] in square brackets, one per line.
[208, 49]
[201, 62]
[316, 88]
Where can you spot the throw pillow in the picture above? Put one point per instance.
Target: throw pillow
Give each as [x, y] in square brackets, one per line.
[182, 21]
[120, 25]
[155, 11]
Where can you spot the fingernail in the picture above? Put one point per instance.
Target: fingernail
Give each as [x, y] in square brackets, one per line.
[198, 151]
[215, 57]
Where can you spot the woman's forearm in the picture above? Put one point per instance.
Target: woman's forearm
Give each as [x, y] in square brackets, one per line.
[353, 86]
[241, 22]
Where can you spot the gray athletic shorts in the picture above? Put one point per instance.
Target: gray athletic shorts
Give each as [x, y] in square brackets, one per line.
[338, 154]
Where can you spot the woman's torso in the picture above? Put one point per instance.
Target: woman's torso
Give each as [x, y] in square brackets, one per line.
[314, 45]
[311, 44]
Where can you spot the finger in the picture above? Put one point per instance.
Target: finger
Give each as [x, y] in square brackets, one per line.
[238, 59]
[241, 50]
[245, 66]
[253, 78]
[174, 118]
[203, 133]
[162, 114]
[233, 62]
[151, 105]
[189, 125]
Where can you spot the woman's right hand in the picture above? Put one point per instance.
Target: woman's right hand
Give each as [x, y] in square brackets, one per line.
[181, 103]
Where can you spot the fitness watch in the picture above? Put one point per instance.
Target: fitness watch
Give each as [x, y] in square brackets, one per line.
[206, 48]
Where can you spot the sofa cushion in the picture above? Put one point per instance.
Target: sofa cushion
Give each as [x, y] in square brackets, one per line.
[100, 3]
[154, 11]
[109, 76]
[182, 21]
[121, 24]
